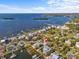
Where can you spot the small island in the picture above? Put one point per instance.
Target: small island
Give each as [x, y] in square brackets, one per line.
[40, 18]
[8, 18]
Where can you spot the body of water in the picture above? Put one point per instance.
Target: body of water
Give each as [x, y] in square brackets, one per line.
[25, 22]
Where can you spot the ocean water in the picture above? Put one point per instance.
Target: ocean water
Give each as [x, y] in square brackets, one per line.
[25, 22]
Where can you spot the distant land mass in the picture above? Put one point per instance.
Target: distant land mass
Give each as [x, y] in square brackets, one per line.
[70, 15]
[62, 14]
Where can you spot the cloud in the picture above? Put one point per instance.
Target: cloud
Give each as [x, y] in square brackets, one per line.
[64, 6]
[63, 2]
[72, 0]
[11, 9]
[14, 9]
[53, 6]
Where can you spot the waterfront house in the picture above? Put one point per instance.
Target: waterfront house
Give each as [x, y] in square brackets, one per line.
[2, 41]
[64, 27]
[12, 38]
[21, 36]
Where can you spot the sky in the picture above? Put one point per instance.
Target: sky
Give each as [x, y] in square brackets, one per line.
[39, 6]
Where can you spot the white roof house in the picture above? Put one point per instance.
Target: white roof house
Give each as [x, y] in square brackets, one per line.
[12, 38]
[21, 36]
[63, 27]
[30, 34]
[77, 44]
